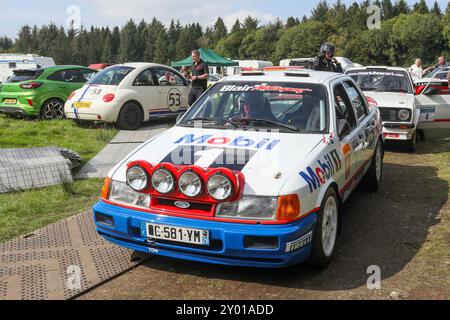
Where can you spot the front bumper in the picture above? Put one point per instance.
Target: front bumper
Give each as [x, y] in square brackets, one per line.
[392, 133]
[227, 239]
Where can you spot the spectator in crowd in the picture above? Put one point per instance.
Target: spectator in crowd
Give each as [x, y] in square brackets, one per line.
[440, 65]
[416, 70]
[199, 78]
[185, 72]
[326, 60]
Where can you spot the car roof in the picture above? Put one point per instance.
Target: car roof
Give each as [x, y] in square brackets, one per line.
[304, 76]
[378, 68]
[143, 65]
[63, 67]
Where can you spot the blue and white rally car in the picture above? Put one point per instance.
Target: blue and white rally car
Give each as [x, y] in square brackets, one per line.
[252, 175]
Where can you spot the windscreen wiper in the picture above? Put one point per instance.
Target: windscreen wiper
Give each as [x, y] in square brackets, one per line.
[212, 120]
[274, 123]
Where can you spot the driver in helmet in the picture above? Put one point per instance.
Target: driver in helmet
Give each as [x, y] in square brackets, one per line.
[326, 60]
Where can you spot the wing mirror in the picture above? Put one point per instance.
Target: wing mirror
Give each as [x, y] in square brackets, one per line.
[343, 127]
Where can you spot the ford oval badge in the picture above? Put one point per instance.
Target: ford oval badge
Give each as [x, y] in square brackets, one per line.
[182, 205]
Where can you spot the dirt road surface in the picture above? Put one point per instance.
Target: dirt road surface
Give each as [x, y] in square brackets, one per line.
[404, 229]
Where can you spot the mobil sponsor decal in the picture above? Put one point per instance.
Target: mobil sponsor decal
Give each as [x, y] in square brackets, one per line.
[325, 169]
[218, 141]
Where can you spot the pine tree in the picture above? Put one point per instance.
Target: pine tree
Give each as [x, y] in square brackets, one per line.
[23, 40]
[436, 10]
[320, 12]
[291, 22]
[421, 7]
[107, 56]
[401, 7]
[387, 9]
[236, 27]
[128, 43]
[162, 48]
[250, 24]
[220, 30]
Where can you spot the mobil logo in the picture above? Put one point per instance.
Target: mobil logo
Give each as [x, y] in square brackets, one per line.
[239, 142]
[325, 169]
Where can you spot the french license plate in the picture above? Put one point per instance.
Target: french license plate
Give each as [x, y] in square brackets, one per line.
[176, 234]
[10, 101]
[82, 105]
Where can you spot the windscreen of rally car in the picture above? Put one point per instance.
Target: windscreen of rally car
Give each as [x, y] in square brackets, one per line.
[111, 76]
[382, 81]
[287, 107]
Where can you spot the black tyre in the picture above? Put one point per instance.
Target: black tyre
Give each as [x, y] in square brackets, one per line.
[410, 145]
[325, 235]
[373, 177]
[53, 109]
[130, 117]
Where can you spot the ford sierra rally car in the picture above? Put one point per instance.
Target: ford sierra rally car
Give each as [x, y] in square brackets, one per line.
[404, 109]
[252, 175]
[130, 94]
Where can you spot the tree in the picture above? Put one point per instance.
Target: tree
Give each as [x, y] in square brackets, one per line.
[220, 30]
[236, 27]
[291, 22]
[107, 56]
[302, 41]
[23, 41]
[436, 10]
[250, 24]
[421, 7]
[401, 7]
[320, 12]
[128, 50]
[387, 10]
[162, 48]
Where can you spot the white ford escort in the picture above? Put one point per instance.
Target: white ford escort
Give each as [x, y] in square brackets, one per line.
[130, 94]
[404, 109]
[252, 175]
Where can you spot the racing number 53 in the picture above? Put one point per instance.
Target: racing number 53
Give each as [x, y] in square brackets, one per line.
[174, 98]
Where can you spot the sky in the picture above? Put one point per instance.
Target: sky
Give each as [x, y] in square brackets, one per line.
[14, 14]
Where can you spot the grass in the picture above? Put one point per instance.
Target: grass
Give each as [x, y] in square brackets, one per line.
[61, 133]
[24, 211]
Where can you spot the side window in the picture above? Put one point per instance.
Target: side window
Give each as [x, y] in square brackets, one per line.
[145, 79]
[344, 109]
[77, 76]
[57, 76]
[87, 74]
[356, 100]
[168, 78]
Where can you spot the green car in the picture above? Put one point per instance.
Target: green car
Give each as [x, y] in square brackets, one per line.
[42, 92]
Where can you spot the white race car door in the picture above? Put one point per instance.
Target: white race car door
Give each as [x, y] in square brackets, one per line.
[146, 88]
[434, 104]
[172, 91]
[349, 139]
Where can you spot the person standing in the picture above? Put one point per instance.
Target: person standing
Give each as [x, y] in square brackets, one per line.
[416, 70]
[442, 64]
[199, 77]
[326, 60]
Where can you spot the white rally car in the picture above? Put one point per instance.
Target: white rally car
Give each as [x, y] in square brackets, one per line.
[404, 109]
[130, 94]
[252, 175]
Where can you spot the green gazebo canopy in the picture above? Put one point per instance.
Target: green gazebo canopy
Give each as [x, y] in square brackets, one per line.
[210, 57]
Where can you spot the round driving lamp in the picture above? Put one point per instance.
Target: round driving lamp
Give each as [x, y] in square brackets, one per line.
[190, 184]
[404, 114]
[137, 178]
[163, 181]
[219, 187]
